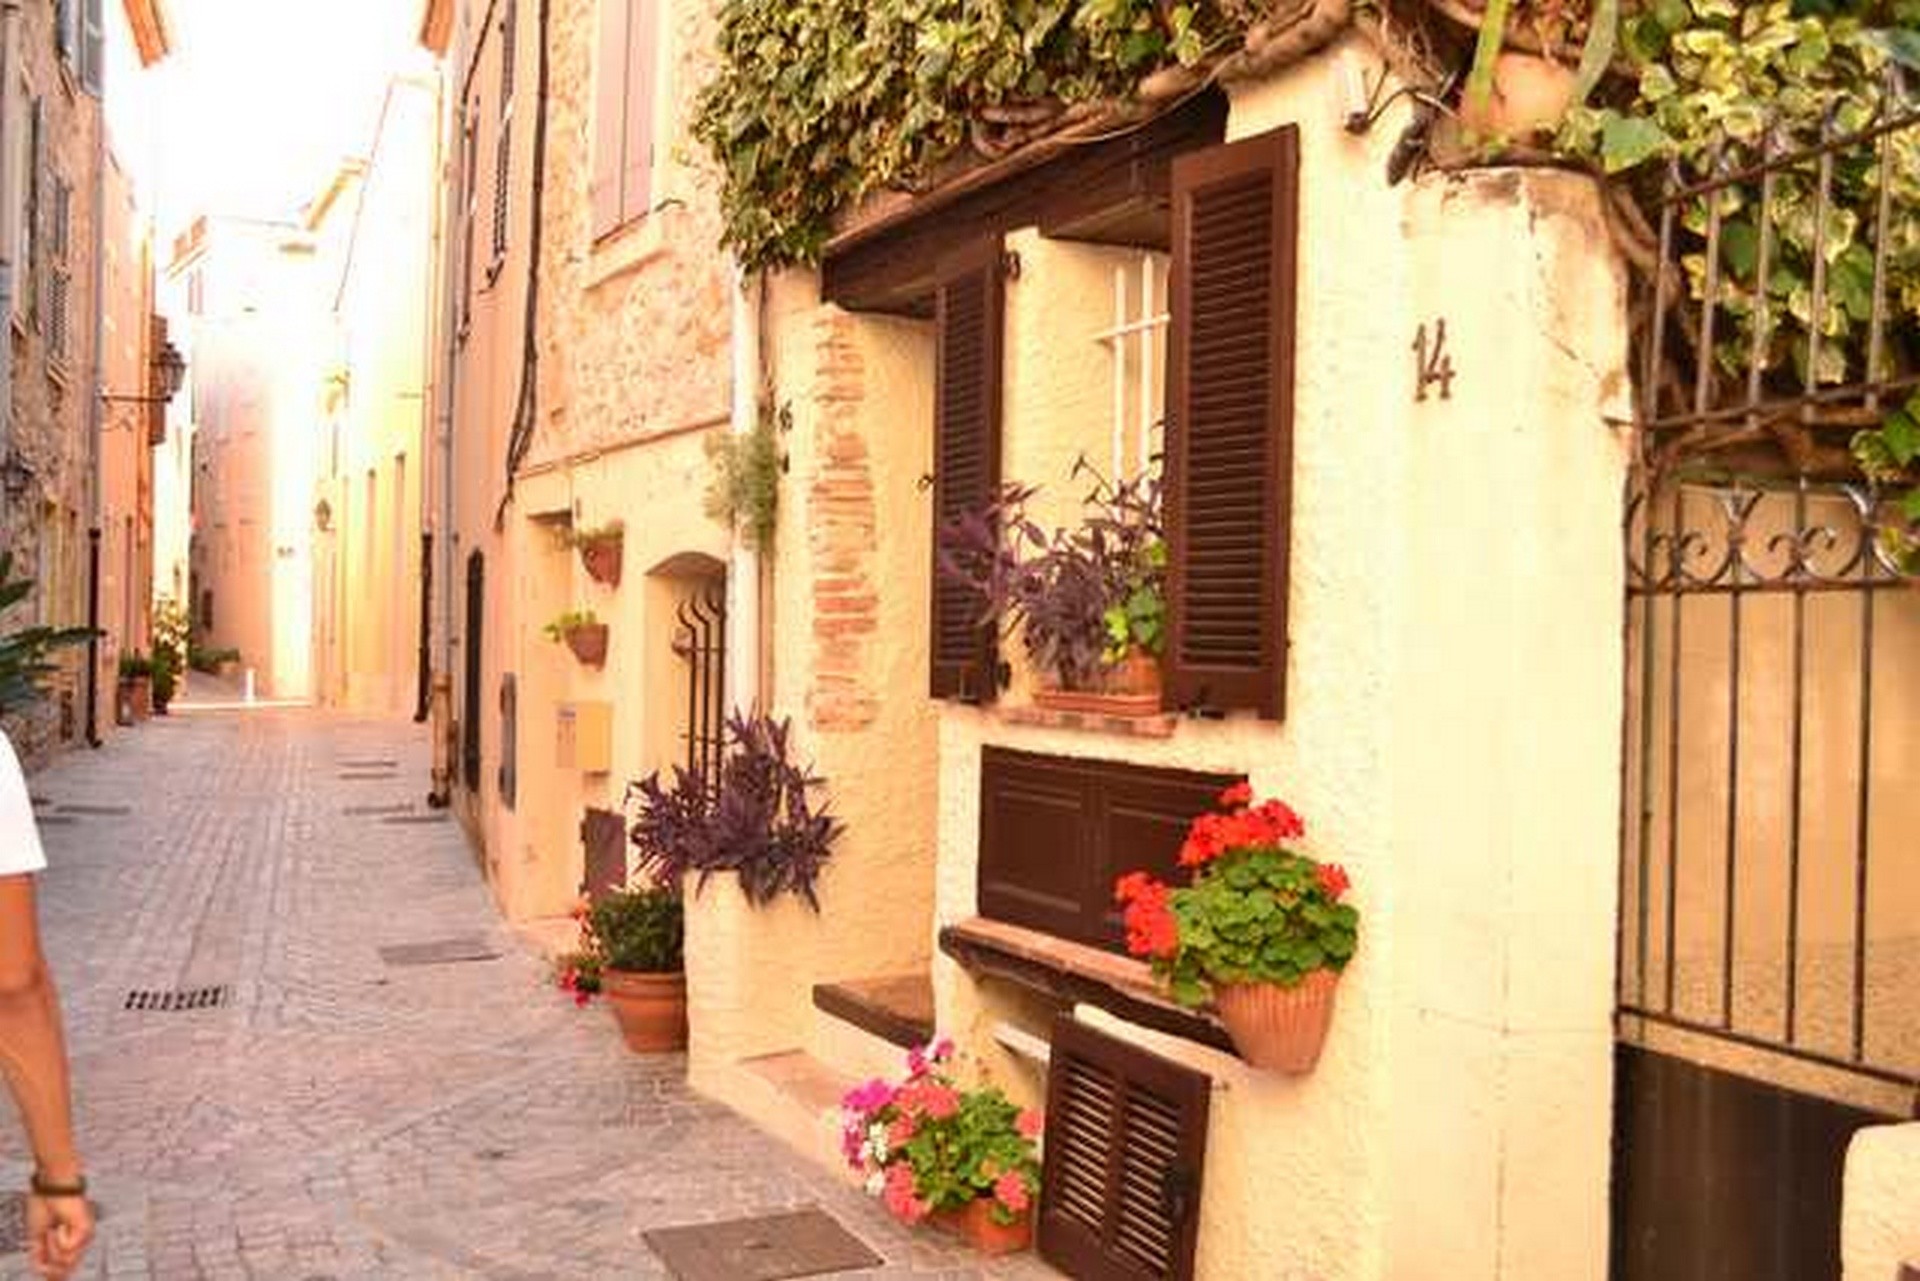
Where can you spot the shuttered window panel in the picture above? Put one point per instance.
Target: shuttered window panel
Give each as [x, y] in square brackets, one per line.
[609, 114]
[470, 212]
[1230, 427]
[1125, 1154]
[470, 709]
[503, 143]
[92, 48]
[968, 319]
[636, 178]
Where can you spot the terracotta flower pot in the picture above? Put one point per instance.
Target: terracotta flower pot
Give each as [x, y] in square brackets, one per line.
[1136, 676]
[1279, 1028]
[974, 1224]
[138, 691]
[650, 1008]
[1131, 687]
[601, 556]
[589, 644]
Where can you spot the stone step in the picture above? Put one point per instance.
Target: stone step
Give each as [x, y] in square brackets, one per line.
[796, 1098]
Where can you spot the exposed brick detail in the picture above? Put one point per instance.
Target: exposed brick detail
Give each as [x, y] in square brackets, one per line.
[841, 536]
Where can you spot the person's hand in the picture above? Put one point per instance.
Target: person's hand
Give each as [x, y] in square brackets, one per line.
[58, 1230]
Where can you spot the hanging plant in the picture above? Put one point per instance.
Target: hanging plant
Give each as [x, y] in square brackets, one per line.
[744, 494]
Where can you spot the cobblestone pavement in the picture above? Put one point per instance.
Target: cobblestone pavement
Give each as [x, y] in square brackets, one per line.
[342, 1118]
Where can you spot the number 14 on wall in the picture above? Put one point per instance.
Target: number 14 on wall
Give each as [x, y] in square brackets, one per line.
[1431, 363]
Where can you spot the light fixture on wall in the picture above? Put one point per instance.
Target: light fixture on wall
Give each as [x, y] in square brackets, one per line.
[169, 374]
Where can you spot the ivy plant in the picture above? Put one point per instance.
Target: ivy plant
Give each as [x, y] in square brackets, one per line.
[744, 492]
[819, 103]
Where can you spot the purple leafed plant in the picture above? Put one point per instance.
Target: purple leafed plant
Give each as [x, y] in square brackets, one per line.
[761, 823]
[1081, 596]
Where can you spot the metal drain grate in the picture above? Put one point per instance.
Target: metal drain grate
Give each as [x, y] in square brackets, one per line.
[772, 1247]
[415, 818]
[367, 776]
[56, 820]
[369, 763]
[13, 1223]
[101, 811]
[175, 999]
[467, 947]
[369, 811]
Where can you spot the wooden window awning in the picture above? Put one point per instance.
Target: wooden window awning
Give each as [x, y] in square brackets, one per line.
[1117, 191]
[1072, 973]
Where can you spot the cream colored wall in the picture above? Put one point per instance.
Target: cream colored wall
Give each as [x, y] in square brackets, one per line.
[126, 460]
[1880, 1225]
[1456, 568]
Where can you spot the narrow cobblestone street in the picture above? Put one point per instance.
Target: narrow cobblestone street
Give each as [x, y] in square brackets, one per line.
[340, 1116]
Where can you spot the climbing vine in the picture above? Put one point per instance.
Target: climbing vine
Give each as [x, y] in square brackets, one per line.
[820, 103]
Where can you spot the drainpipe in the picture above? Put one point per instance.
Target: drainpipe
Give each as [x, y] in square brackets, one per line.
[9, 215]
[743, 570]
[96, 405]
[445, 388]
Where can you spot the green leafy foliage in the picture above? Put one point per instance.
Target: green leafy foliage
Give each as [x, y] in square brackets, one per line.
[641, 930]
[744, 493]
[135, 665]
[819, 103]
[571, 621]
[26, 655]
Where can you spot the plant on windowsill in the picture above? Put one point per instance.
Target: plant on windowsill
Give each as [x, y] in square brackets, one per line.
[136, 688]
[600, 548]
[761, 823]
[632, 953]
[1089, 602]
[1260, 931]
[966, 1160]
[583, 633]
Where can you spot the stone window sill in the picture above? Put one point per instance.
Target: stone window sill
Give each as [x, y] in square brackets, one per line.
[1074, 973]
[1161, 726]
[625, 250]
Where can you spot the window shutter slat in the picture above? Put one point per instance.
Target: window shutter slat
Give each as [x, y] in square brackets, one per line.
[968, 317]
[609, 112]
[1230, 428]
[1125, 1153]
[636, 178]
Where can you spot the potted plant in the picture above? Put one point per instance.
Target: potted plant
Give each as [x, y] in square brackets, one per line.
[759, 821]
[600, 549]
[966, 1160]
[1261, 931]
[583, 633]
[171, 630]
[136, 688]
[632, 956]
[1089, 602]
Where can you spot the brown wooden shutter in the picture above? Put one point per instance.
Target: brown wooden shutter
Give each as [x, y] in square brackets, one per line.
[636, 177]
[968, 307]
[1125, 1153]
[1230, 423]
[1056, 832]
[609, 112]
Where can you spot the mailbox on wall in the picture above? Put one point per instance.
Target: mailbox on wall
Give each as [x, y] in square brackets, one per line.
[585, 739]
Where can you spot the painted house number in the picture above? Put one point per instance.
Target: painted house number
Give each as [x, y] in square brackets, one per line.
[1431, 363]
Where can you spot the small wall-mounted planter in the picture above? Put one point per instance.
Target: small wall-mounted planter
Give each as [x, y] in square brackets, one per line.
[1281, 1029]
[1132, 687]
[601, 554]
[588, 641]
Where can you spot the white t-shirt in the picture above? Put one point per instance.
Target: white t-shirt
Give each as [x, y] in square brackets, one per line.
[19, 838]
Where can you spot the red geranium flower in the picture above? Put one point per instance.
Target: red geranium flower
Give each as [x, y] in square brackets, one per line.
[1236, 796]
[1333, 879]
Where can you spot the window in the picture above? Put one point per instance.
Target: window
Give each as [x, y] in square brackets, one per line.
[470, 700]
[1136, 351]
[623, 113]
[59, 275]
[91, 48]
[1230, 424]
[1056, 832]
[503, 141]
[33, 165]
[968, 316]
[470, 204]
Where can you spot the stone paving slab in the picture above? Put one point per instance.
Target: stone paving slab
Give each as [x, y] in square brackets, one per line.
[340, 1118]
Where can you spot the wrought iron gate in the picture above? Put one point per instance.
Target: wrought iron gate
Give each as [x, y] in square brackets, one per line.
[701, 639]
[1769, 946]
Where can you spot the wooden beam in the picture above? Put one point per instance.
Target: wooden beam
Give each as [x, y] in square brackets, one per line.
[151, 38]
[1114, 191]
[436, 26]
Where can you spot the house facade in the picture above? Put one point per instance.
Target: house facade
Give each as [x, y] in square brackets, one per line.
[583, 360]
[1394, 419]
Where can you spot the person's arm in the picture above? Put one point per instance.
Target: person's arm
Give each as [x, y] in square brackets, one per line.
[33, 1058]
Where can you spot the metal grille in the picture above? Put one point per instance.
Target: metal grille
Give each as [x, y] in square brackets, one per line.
[1769, 883]
[175, 1000]
[701, 640]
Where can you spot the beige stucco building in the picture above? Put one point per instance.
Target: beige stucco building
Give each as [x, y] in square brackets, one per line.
[377, 220]
[1424, 658]
[255, 338]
